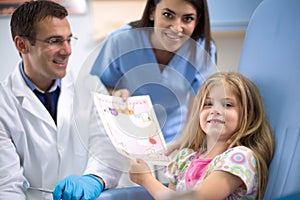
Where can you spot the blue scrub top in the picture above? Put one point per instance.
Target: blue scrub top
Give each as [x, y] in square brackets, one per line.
[127, 60]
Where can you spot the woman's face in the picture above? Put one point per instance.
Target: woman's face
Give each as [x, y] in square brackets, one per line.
[174, 23]
[220, 116]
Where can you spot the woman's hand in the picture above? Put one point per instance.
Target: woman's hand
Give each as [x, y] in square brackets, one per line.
[139, 171]
[123, 93]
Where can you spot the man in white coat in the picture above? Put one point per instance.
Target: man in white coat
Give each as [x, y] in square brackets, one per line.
[40, 141]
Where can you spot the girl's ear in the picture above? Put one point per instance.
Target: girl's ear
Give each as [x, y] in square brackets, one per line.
[21, 44]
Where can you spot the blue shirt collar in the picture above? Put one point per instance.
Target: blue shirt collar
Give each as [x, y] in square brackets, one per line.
[56, 84]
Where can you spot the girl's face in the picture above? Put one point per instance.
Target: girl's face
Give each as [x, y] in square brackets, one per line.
[174, 23]
[220, 116]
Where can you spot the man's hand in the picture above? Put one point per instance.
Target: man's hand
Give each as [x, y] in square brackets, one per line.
[78, 187]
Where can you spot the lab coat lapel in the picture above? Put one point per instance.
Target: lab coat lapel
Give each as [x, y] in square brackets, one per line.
[65, 101]
[28, 100]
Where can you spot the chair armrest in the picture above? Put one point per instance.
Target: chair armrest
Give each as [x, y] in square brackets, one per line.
[128, 193]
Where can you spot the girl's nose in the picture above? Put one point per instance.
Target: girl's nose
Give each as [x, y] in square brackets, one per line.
[216, 110]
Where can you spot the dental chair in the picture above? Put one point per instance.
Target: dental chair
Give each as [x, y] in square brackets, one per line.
[127, 193]
[270, 57]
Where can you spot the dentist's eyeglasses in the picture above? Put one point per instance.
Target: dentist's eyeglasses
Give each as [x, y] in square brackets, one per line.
[57, 42]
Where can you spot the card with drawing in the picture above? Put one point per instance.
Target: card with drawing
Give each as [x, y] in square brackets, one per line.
[132, 127]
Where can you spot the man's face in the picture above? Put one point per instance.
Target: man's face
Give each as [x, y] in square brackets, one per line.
[46, 61]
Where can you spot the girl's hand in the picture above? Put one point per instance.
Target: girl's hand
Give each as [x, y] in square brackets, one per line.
[139, 171]
[172, 149]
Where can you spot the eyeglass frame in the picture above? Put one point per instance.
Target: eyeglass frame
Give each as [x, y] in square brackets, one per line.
[55, 41]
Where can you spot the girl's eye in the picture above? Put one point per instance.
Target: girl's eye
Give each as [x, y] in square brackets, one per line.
[228, 105]
[206, 104]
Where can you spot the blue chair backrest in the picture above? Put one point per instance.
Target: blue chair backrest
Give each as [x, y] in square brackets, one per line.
[271, 59]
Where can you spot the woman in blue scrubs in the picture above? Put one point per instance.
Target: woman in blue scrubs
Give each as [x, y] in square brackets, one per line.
[167, 54]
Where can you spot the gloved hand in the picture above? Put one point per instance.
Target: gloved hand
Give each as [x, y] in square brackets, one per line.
[78, 187]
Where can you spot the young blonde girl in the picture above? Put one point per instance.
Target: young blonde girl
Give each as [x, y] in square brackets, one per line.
[225, 148]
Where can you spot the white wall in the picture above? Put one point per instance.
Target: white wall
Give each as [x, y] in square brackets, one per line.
[229, 46]
[8, 54]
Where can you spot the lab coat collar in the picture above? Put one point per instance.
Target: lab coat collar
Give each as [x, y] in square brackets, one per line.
[28, 100]
[33, 87]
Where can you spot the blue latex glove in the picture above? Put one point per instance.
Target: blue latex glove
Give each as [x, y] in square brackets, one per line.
[78, 187]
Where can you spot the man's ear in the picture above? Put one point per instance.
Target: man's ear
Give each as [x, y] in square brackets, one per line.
[21, 44]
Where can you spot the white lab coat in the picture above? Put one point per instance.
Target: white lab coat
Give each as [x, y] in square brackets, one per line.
[33, 148]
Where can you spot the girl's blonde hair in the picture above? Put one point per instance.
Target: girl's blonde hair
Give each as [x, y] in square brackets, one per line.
[254, 132]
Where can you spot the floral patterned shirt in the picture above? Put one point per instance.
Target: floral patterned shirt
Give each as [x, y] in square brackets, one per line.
[239, 161]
